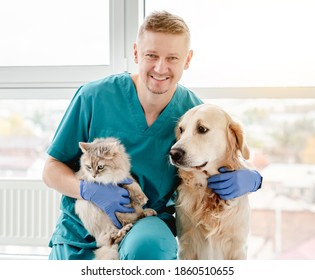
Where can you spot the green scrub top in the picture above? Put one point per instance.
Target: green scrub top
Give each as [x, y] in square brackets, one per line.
[110, 108]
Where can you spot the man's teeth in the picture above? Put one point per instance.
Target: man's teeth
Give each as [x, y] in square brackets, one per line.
[159, 78]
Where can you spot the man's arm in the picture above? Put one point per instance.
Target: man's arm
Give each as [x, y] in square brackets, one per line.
[61, 178]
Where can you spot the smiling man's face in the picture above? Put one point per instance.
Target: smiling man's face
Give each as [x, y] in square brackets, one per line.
[162, 58]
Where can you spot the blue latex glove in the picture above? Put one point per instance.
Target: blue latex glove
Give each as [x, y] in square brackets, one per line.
[231, 184]
[110, 198]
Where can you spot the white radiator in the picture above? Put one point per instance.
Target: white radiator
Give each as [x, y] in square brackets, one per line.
[28, 212]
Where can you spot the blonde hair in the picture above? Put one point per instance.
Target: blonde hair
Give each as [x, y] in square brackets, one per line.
[164, 22]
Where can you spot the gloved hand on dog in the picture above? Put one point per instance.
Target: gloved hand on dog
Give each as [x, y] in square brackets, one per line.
[231, 184]
[110, 198]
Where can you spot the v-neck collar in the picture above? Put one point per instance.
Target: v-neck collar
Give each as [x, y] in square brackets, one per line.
[138, 112]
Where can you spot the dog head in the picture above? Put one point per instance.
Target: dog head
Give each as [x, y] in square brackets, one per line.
[207, 138]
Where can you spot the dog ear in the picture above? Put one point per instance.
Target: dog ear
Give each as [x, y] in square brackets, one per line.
[177, 132]
[236, 135]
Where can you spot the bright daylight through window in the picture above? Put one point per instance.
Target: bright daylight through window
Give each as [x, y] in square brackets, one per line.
[247, 43]
[48, 33]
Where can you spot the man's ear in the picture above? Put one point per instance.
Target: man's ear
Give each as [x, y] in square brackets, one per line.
[135, 53]
[188, 59]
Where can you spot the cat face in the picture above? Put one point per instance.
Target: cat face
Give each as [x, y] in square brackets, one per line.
[104, 157]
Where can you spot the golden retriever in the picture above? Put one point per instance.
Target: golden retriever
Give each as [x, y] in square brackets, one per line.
[207, 226]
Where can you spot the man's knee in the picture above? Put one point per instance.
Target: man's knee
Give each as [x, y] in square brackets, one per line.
[149, 239]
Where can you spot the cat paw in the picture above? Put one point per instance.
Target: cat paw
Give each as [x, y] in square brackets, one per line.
[140, 198]
[149, 212]
[127, 227]
[122, 232]
[136, 194]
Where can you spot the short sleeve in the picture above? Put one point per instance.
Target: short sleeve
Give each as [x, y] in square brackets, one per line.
[73, 128]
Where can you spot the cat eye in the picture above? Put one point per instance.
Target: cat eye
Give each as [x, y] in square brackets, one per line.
[100, 167]
[88, 167]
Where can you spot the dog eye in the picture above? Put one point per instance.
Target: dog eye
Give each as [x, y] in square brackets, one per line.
[202, 129]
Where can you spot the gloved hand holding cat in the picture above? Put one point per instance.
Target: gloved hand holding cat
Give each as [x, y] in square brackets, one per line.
[110, 197]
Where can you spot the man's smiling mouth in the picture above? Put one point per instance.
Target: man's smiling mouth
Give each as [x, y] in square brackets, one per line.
[159, 78]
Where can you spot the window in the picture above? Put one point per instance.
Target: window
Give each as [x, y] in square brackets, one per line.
[26, 129]
[48, 49]
[247, 43]
[54, 33]
[59, 43]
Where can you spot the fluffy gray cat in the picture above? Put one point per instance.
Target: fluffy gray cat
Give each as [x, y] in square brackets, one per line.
[105, 161]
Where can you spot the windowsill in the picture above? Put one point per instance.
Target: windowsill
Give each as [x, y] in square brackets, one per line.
[11, 252]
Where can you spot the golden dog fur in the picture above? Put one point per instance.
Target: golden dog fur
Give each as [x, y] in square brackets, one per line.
[207, 226]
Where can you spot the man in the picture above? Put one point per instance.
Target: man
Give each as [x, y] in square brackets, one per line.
[141, 110]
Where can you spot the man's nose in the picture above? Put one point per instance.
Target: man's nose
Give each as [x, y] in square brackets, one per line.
[161, 66]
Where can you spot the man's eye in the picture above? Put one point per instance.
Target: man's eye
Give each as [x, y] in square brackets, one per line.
[173, 58]
[151, 56]
[202, 130]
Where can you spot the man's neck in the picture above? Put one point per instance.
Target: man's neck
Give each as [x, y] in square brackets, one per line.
[152, 104]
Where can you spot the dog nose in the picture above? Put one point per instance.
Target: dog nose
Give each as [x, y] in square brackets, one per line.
[177, 154]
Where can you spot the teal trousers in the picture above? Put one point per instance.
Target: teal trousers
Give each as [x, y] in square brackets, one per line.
[149, 239]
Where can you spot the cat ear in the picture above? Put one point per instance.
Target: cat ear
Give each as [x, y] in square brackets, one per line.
[84, 146]
[113, 147]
